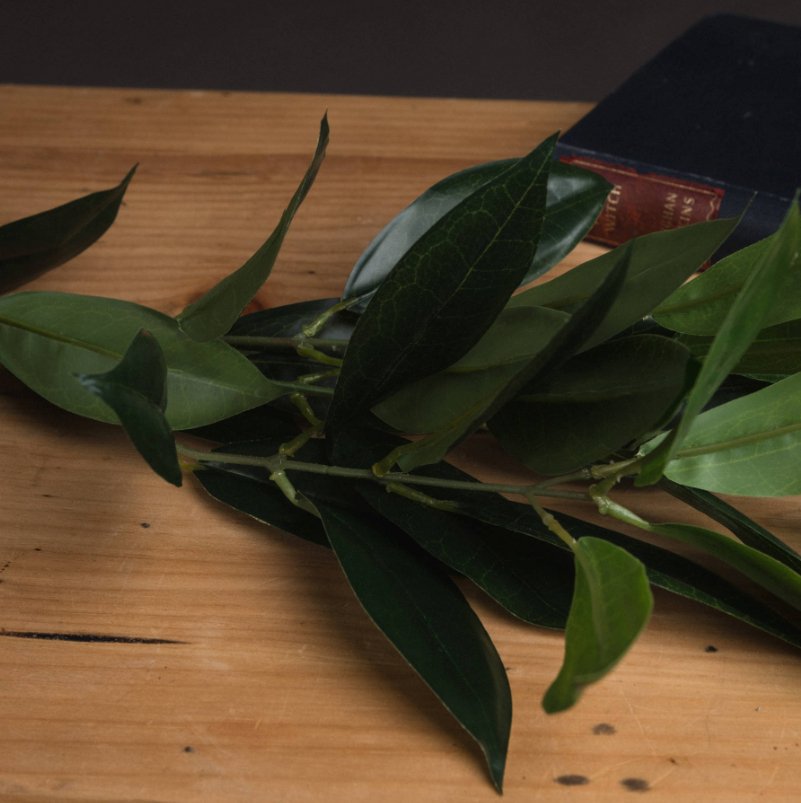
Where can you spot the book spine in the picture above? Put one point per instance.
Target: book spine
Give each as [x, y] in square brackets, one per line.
[646, 198]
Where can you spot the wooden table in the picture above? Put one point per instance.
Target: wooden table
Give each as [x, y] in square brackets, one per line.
[244, 669]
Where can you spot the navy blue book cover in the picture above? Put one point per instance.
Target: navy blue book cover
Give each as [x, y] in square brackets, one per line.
[711, 125]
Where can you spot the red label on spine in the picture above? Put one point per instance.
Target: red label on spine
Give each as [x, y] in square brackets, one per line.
[640, 203]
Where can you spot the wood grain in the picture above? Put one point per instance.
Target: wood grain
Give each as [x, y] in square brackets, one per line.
[213, 659]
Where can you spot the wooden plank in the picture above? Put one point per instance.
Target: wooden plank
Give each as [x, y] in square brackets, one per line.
[211, 658]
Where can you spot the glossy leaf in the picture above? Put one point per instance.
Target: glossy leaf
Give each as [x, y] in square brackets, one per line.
[747, 530]
[35, 244]
[463, 269]
[595, 404]
[262, 501]
[136, 390]
[426, 618]
[528, 578]
[574, 199]
[213, 314]
[288, 320]
[739, 328]
[659, 263]
[611, 605]
[749, 446]
[47, 338]
[700, 306]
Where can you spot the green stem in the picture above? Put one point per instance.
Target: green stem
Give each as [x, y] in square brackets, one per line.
[552, 523]
[293, 342]
[278, 462]
[313, 328]
[302, 387]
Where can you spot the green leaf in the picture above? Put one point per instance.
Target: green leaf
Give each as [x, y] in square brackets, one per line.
[595, 404]
[667, 570]
[213, 314]
[659, 263]
[527, 577]
[611, 605]
[262, 501]
[35, 244]
[259, 423]
[700, 306]
[767, 572]
[47, 338]
[426, 618]
[505, 381]
[136, 390]
[740, 327]
[748, 531]
[430, 403]
[774, 354]
[574, 199]
[517, 334]
[750, 446]
[289, 319]
[463, 269]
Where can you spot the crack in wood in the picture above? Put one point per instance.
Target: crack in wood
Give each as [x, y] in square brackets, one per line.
[86, 638]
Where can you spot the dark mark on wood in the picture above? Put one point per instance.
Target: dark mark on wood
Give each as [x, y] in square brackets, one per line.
[85, 638]
[189, 749]
[710, 648]
[572, 780]
[636, 784]
[144, 525]
[603, 729]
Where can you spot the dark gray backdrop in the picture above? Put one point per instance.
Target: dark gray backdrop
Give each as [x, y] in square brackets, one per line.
[561, 49]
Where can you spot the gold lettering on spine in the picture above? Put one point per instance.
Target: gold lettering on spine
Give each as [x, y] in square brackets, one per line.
[687, 210]
[610, 211]
[669, 210]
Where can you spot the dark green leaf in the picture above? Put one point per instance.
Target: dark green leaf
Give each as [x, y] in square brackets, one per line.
[260, 423]
[574, 199]
[666, 570]
[738, 330]
[213, 314]
[747, 530]
[774, 354]
[33, 245]
[463, 269]
[595, 404]
[262, 501]
[288, 320]
[47, 338]
[611, 605]
[527, 577]
[430, 403]
[426, 618]
[659, 263]
[136, 390]
[505, 381]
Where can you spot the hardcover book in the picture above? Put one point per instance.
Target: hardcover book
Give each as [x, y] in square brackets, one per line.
[710, 127]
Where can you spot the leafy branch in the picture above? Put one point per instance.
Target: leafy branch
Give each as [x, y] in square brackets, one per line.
[333, 419]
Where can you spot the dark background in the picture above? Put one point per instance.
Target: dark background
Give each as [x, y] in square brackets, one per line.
[561, 49]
